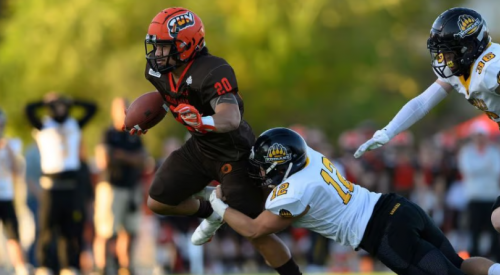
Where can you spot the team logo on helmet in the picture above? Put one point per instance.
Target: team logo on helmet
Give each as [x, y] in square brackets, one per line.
[277, 153]
[180, 22]
[468, 25]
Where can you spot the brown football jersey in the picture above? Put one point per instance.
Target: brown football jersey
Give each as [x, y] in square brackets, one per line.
[205, 78]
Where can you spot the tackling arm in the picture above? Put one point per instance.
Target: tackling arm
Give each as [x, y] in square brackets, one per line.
[265, 224]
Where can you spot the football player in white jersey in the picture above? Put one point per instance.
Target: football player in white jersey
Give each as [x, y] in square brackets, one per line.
[309, 192]
[465, 60]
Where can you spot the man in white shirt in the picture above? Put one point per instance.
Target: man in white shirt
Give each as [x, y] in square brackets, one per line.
[58, 137]
[310, 192]
[479, 165]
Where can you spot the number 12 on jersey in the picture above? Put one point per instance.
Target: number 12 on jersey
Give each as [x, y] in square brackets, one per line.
[327, 177]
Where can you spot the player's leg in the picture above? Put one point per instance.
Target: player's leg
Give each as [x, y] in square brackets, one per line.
[243, 194]
[432, 234]
[179, 177]
[403, 249]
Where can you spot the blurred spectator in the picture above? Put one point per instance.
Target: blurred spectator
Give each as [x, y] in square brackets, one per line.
[84, 204]
[479, 164]
[118, 197]
[33, 174]
[59, 138]
[402, 169]
[10, 172]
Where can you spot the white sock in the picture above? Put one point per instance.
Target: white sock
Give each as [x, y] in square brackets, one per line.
[494, 269]
[214, 217]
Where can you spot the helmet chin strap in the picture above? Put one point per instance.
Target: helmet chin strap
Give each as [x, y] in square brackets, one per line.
[271, 167]
[288, 171]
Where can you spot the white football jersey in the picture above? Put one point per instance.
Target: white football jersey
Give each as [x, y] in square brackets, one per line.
[339, 210]
[479, 88]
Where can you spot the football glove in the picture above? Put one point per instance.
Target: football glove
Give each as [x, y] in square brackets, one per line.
[217, 204]
[136, 130]
[379, 138]
[192, 118]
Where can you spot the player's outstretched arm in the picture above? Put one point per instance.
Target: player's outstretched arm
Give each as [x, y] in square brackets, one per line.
[265, 224]
[411, 112]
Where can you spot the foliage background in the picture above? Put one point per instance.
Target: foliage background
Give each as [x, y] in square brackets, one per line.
[330, 64]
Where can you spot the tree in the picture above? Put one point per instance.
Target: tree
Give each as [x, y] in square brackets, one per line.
[327, 63]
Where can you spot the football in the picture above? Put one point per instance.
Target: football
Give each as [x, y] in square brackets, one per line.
[145, 111]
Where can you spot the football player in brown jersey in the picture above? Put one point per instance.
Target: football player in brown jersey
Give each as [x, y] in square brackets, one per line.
[201, 92]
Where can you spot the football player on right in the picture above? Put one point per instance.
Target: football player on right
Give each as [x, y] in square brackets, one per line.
[464, 59]
[310, 192]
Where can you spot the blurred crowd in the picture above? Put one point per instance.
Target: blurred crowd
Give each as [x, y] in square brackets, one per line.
[78, 211]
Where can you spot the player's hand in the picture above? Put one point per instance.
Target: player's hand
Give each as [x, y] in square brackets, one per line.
[217, 204]
[191, 117]
[379, 138]
[135, 131]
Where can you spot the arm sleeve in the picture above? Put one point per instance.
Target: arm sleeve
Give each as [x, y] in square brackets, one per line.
[90, 110]
[225, 98]
[31, 110]
[219, 81]
[415, 109]
[286, 207]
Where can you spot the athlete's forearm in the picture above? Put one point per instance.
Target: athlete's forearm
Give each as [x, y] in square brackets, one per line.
[241, 223]
[416, 109]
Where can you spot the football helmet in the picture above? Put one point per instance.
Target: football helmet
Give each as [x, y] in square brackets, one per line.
[180, 28]
[277, 154]
[459, 34]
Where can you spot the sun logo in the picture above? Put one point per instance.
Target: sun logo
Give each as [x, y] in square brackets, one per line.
[277, 153]
[180, 22]
[468, 25]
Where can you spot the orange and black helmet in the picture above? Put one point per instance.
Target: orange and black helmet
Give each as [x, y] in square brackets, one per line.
[180, 28]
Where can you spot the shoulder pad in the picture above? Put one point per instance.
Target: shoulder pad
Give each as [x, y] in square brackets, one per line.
[284, 202]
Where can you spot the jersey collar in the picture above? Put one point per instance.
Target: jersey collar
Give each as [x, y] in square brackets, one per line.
[175, 86]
